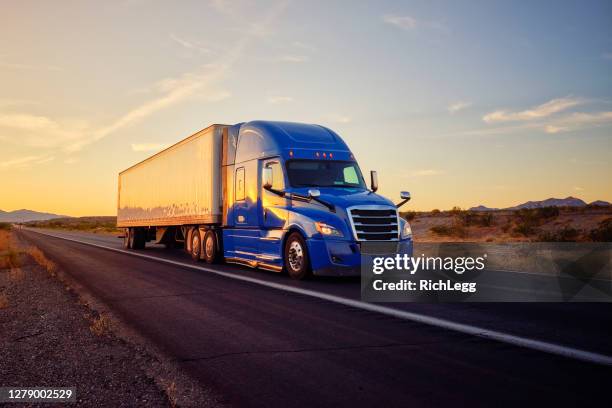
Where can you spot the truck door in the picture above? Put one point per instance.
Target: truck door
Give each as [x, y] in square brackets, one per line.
[273, 213]
[245, 235]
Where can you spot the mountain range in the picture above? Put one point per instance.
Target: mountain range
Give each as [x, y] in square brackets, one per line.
[26, 215]
[550, 202]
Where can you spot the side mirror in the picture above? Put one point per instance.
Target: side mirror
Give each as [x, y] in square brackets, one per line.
[373, 181]
[266, 178]
[405, 195]
[314, 193]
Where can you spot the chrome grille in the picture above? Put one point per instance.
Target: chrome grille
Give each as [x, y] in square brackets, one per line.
[374, 223]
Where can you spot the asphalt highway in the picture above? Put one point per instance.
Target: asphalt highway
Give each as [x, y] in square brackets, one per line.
[257, 344]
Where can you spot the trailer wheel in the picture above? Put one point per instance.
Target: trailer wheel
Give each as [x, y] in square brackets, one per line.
[211, 251]
[296, 258]
[126, 238]
[196, 245]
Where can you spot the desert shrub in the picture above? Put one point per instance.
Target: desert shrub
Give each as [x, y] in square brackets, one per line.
[101, 326]
[547, 212]
[486, 220]
[409, 215]
[524, 228]
[5, 226]
[471, 218]
[435, 211]
[455, 210]
[506, 227]
[565, 234]
[603, 232]
[454, 230]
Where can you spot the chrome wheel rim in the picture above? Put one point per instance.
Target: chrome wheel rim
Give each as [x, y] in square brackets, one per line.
[195, 244]
[209, 246]
[296, 256]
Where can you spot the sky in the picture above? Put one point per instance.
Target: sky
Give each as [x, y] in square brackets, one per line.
[460, 103]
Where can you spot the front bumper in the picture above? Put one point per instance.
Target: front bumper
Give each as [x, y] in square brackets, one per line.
[330, 257]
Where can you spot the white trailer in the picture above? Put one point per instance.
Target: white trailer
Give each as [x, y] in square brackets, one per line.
[180, 185]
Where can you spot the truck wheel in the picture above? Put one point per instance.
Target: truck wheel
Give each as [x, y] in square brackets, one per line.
[196, 245]
[297, 260]
[126, 238]
[210, 247]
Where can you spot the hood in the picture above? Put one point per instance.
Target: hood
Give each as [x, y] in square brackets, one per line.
[348, 197]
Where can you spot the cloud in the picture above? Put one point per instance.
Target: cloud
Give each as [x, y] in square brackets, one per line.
[280, 99]
[577, 188]
[552, 129]
[304, 46]
[27, 67]
[403, 22]
[337, 118]
[538, 112]
[222, 6]
[25, 161]
[572, 122]
[457, 106]
[189, 44]
[39, 131]
[293, 58]
[149, 147]
[426, 173]
[409, 23]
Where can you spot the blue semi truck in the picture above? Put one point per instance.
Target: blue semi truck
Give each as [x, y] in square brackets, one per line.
[275, 195]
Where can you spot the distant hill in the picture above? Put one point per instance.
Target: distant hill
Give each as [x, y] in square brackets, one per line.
[551, 202]
[26, 215]
[600, 203]
[482, 208]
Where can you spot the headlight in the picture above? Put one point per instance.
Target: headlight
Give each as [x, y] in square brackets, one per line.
[327, 230]
[406, 230]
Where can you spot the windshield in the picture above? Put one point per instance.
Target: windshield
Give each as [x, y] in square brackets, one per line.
[324, 173]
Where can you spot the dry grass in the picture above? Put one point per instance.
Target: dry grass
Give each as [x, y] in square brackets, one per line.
[4, 302]
[101, 325]
[170, 388]
[40, 258]
[9, 256]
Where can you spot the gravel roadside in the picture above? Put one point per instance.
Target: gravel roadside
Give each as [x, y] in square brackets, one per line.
[50, 336]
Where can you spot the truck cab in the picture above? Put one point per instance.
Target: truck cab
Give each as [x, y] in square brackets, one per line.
[294, 198]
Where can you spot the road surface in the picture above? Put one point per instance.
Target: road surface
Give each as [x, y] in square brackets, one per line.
[257, 344]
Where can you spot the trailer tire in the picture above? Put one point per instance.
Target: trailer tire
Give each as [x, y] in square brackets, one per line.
[211, 249]
[296, 257]
[196, 244]
[126, 238]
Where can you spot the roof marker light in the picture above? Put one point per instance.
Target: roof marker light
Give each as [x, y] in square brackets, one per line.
[324, 155]
[290, 153]
[331, 155]
[317, 154]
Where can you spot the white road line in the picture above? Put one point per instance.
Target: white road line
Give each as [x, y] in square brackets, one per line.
[519, 341]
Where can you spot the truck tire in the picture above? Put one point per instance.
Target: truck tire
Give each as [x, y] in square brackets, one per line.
[196, 245]
[211, 250]
[140, 238]
[126, 238]
[296, 258]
